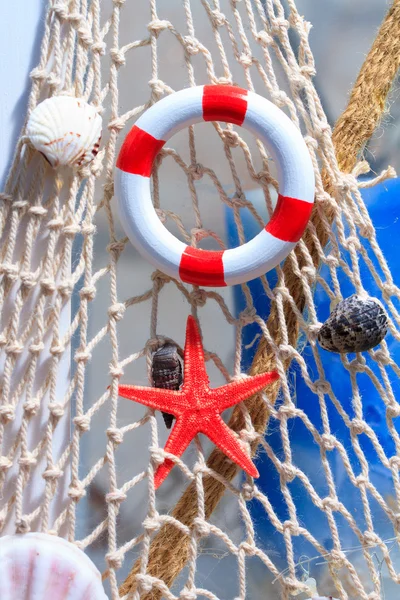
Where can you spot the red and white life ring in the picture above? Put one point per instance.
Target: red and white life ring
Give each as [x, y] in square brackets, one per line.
[295, 178]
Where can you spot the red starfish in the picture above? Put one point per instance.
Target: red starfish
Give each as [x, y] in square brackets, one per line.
[197, 408]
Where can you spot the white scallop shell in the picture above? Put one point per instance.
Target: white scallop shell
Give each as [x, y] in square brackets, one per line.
[65, 130]
[38, 566]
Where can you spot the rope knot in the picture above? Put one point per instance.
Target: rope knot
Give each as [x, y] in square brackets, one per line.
[116, 311]
[158, 25]
[116, 248]
[388, 289]
[115, 370]
[245, 59]
[27, 461]
[371, 538]
[38, 74]
[354, 241]
[66, 287]
[247, 316]
[28, 279]
[52, 473]
[248, 491]
[151, 524]
[201, 527]
[31, 407]
[361, 480]
[338, 559]
[313, 330]
[117, 125]
[198, 297]
[48, 286]
[157, 87]
[366, 230]
[82, 423]
[357, 427]
[288, 471]
[14, 347]
[60, 10]
[37, 211]
[99, 48]
[187, 594]
[196, 171]
[22, 525]
[114, 560]
[115, 497]
[264, 38]
[328, 441]
[286, 351]
[56, 410]
[115, 435]
[7, 413]
[248, 549]
[117, 56]
[218, 18]
[88, 228]
[88, 292]
[162, 277]
[57, 349]
[145, 583]
[36, 348]
[383, 357]
[192, 44]
[279, 97]
[230, 138]
[249, 436]
[329, 503]
[76, 492]
[310, 273]
[322, 386]
[5, 463]
[279, 26]
[291, 527]
[394, 462]
[157, 455]
[82, 355]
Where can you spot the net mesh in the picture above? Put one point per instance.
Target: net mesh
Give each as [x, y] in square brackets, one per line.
[72, 289]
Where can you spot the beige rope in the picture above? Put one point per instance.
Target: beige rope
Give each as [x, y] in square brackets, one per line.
[170, 549]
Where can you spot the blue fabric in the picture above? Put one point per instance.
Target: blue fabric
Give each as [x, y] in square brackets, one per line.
[383, 205]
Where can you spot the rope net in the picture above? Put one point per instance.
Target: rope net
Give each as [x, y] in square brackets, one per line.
[75, 293]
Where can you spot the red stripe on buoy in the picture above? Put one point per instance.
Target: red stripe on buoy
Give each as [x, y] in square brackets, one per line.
[138, 152]
[224, 103]
[289, 219]
[202, 267]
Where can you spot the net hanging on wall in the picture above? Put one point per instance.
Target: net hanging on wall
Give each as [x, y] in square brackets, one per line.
[73, 288]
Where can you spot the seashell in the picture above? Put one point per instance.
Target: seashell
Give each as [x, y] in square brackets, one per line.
[36, 566]
[167, 372]
[357, 324]
[65, 130]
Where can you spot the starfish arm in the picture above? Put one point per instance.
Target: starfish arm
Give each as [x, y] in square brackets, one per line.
[237, 391]
[165, 400]
[181, 435]
[194, 364]
[226, 440]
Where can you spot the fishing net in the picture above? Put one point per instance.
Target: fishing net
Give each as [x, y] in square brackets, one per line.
[81, 311]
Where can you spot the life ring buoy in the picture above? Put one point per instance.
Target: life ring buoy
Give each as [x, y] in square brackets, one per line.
[295, 178]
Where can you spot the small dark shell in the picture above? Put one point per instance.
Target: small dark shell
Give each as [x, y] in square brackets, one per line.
[355, 325]
[167, 372]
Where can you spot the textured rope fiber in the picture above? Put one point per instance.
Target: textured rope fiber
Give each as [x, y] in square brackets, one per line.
[62, 251]
[170, 550]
